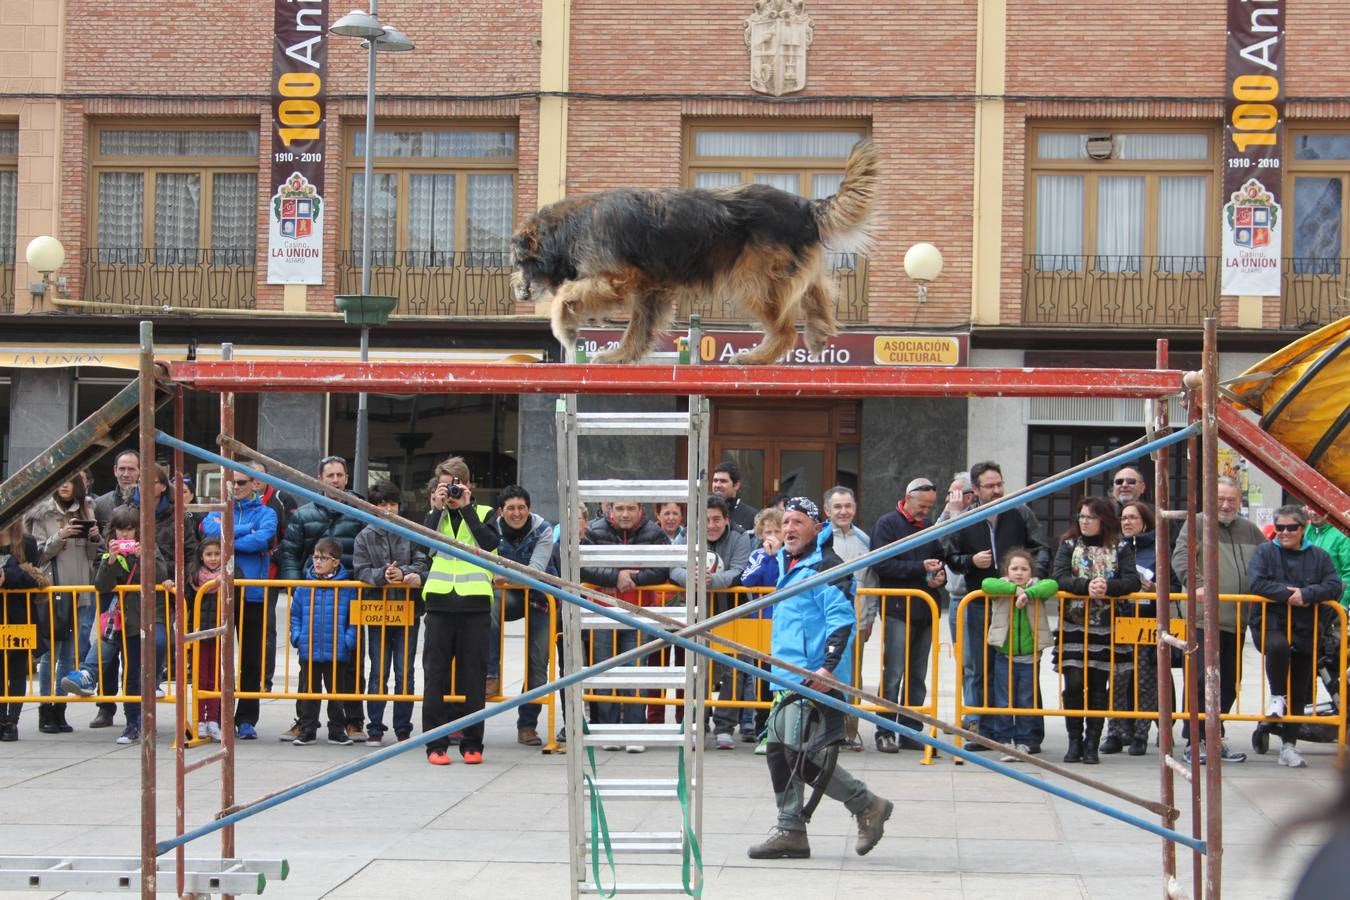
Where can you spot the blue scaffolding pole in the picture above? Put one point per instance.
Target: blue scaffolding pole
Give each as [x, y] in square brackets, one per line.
[231, 817]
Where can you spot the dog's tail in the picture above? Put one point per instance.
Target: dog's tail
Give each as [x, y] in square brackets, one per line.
[844, 218]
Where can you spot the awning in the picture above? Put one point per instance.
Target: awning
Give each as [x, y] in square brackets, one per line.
[20, 355]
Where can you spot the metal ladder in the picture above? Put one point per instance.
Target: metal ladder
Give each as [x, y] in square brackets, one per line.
[633, 853]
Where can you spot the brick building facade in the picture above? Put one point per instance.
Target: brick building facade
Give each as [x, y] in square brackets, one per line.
[982, 113]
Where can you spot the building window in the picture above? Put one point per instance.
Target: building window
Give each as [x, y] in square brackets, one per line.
[1119, 227]
[435, 193]
[1108, 201]
[442, 208]
[9, 213]
[170, 195]
[805, 161]
[1315, 275]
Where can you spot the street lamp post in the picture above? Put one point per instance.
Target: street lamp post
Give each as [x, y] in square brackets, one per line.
[923, 263]
[377, 37]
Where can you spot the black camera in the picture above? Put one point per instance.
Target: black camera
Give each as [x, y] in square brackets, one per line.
[456, 491]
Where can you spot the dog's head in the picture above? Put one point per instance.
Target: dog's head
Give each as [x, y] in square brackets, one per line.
[526, 281]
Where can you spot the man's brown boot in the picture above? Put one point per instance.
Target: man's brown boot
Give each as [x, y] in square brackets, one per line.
[529, 737]
[782, 844]
[872, 822]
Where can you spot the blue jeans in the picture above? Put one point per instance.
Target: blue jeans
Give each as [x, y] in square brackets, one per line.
[536, 663]
[65, 651]
[111, 651]
[387, 648]
[904, 665]
[603, 645]
[1013, 729]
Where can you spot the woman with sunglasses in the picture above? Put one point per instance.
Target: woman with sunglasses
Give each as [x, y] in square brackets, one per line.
[1093, 566]
[1134, 685]
[1295, 577]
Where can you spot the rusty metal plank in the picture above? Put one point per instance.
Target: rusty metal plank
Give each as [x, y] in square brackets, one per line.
[1283, 464]
[714, 381]
[85, 444]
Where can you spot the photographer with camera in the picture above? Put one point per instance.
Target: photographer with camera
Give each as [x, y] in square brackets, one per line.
[458, 597]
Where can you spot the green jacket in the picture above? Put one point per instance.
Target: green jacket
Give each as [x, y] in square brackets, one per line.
[1333, 540]
[1018, 640]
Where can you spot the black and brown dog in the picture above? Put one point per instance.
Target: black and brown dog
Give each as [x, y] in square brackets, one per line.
[647, 250]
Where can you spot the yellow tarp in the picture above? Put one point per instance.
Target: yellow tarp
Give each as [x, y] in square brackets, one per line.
[1316, 406]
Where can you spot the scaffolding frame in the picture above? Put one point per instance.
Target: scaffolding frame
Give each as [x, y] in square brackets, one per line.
[1198, 389]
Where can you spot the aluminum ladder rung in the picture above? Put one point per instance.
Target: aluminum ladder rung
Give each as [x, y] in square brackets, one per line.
[634, 556]
[650, 677]
[641, 842]
[123, 874]
[650, 490]
[626, 887]
[597, 622]
[637, 788]
[644, 424]
[635, 733]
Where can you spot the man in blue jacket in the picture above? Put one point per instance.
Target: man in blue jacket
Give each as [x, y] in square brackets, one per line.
[255, 525]
[812, 630]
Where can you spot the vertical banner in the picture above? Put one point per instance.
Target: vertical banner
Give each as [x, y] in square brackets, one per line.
[1253, 149]
[295, 210]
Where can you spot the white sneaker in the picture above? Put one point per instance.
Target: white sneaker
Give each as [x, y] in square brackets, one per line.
[635, 748]
[213, 731]
[724, 741]
[1008, 757]
[612, 747]
[161, 692]
[1275, 709]
[201, 730]
[1289, 756]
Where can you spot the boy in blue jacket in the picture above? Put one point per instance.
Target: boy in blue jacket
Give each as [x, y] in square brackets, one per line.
[325, 641]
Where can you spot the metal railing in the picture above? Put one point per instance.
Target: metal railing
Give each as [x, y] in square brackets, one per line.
[194, 278]
[1092, 289]
[7, 287]
[1315, 292]
[434, 282]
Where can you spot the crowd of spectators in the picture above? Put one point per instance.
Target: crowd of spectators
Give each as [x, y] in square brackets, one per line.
[79, 538]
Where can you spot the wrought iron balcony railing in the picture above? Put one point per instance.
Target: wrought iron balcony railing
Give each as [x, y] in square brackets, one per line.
[195, 278]
[1078, 289]
[1060, 289]
[477, 283]
[1316, 291]
[7, 286]
[434, 282]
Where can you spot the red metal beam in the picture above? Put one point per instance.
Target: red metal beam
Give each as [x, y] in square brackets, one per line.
[713, 381]
[1282, 464]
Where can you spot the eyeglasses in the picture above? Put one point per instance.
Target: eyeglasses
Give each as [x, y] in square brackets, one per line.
[991, 485]
[1084, 517]
[1124, 516]
[1290, 526]
[1120, 481]
[968, 493]
[240, 482]
[323, 557]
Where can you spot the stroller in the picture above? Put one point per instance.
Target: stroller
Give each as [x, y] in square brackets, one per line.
[1328, 664]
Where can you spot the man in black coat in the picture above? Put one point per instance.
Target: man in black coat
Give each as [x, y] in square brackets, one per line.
[908, 622]
[306, 525]
[1294, 576]
[976, 551]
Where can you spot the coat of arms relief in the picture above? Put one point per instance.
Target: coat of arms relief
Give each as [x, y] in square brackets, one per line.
[778, 33]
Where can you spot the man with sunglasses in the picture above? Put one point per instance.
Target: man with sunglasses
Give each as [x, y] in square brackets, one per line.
[1128, 486]
[255, 525]
[1294, 576]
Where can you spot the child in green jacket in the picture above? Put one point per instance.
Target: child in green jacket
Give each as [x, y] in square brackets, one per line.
[1019, 627]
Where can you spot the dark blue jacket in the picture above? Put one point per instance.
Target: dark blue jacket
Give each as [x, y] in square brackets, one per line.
[321, 620]
[1273, 570]
[905, 570]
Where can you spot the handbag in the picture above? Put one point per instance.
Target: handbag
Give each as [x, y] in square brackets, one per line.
[110, 620]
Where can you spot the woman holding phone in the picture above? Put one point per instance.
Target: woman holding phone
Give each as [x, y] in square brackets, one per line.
[68, 546]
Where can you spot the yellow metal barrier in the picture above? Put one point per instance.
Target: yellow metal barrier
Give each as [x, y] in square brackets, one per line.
[929, 705]
[1128, 629]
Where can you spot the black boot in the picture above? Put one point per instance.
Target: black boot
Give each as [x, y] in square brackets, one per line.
[1075, 728]
[1112, 744]
[47, 719]
[1090, 740]
[59, 717]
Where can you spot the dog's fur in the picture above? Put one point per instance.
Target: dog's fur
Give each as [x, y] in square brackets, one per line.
[647, 250]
